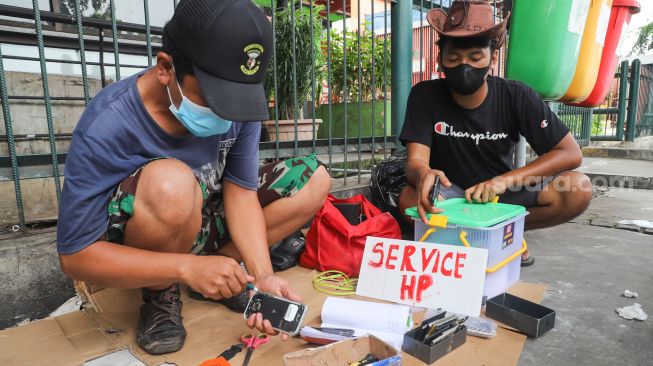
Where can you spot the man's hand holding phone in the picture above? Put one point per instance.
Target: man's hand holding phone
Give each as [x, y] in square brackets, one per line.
[275, 286]
[425, 186]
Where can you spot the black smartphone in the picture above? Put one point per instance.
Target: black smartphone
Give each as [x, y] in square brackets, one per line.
[285, 316]
[435, 192]
[353, 212]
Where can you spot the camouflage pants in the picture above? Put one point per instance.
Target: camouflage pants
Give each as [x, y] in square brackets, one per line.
[275, 180]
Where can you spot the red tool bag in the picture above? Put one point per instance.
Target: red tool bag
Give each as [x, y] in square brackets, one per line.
[336, 242]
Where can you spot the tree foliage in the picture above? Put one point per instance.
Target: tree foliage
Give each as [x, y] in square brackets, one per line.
[306, 61]
[644, 42]
[100, 8]
[358, 89]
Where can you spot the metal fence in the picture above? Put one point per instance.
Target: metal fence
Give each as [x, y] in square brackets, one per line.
[577, 120]
[339, 79]
[53, 51]
[626, 113]
[334, 100]
[605, 123]
[644, 115]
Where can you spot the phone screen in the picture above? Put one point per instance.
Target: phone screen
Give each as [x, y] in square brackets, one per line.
[284, 315]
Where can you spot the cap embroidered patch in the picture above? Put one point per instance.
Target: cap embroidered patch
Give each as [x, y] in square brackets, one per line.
[544, 124]
[252, 65]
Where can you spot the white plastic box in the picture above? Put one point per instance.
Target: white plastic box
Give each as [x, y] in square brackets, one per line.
[501, 240]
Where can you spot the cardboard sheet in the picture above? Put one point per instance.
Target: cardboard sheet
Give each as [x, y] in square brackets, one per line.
[344, 353]
[110, 325]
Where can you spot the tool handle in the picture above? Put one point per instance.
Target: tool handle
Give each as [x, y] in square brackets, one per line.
[232, 351]
[220, 361]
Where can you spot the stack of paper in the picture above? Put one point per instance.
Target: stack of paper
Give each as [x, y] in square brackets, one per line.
[386, 321]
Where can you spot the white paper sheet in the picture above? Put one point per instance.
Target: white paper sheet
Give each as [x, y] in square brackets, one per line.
[386, 321]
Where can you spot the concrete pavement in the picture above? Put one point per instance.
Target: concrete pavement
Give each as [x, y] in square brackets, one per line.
[588, 264]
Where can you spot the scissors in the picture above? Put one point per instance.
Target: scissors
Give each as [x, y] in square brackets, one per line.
[252, 342]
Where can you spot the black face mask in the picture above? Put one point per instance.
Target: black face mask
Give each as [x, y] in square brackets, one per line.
[465, 79]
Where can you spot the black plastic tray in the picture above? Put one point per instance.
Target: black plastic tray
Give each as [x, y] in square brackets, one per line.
[430, 354]
[527, 317]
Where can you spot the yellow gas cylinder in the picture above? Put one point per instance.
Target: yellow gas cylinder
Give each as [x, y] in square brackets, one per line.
[589, 58]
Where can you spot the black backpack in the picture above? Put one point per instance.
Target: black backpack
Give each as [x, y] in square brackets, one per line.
[388, 179]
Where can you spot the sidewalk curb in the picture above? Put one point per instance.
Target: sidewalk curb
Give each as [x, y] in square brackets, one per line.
[618, 153]
[620, 181]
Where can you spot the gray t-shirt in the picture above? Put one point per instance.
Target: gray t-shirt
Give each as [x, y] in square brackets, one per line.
[115, 136]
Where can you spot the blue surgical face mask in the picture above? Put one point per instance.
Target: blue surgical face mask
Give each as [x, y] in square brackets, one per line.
[198, 120]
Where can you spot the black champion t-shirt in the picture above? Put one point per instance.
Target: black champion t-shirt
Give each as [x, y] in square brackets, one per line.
[473, 145]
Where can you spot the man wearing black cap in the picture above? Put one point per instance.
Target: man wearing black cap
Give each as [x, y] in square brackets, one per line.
[464, 129]
[164, 164]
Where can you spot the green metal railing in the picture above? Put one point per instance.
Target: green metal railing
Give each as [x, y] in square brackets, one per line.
[644, 126]
[592, 124]
[605, 123]
[355, 132]
[577, 119]
[46, 97]
[47, 37]
[11, 144]
[626, 113]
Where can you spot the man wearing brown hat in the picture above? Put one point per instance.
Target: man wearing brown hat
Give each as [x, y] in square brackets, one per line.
[165, 164]
[464, 128]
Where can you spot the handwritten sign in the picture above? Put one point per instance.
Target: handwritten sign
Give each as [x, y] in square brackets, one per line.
[424, 274]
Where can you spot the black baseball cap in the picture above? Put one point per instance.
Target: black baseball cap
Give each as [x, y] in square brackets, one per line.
[229, 43]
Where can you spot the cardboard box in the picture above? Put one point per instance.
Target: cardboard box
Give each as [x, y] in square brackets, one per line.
[430, 354]
[346, 352]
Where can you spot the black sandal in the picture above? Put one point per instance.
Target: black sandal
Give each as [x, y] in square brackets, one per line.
[236, 303]
[286, 254]
[528, 261]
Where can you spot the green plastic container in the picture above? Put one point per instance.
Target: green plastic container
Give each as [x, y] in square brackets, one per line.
[461, 212]
[497, 227]
[544, 44]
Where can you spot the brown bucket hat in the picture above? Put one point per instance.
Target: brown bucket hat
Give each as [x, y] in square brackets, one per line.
[468, 19]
